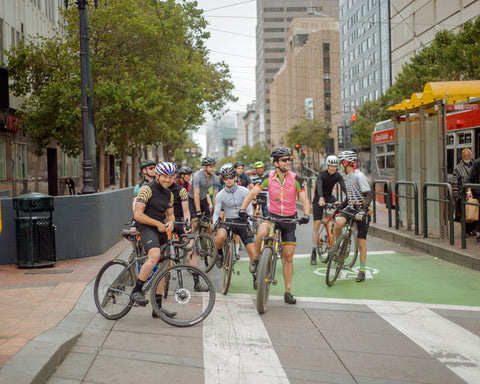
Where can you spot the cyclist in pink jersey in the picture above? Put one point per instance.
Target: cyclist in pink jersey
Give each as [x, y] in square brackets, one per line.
[282, 186]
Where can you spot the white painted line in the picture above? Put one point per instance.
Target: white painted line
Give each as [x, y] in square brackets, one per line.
[237, 348]
[304, 255]
[452, 345]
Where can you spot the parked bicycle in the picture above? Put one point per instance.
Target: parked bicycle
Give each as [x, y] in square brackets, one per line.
[116, 279]
[340, 255]
[205, 245]
[267, 264]
[325, 238]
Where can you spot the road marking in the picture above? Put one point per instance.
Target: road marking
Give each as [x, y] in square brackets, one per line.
[304, 255]
[452, 345]
[348, 274]
[237, 348]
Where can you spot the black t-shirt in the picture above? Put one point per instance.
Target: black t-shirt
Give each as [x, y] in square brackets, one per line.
[157, 200]
[325, 184]
[179, 195]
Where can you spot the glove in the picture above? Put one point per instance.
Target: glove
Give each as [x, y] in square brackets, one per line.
[304, 219]
[360, 215]
[198, 214]
[242, 214]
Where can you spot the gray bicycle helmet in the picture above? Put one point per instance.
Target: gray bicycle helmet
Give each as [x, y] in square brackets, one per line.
[186, 170]
[208, 161]
[277, 153]
[146, 163]
[228, 171]
[332, 160]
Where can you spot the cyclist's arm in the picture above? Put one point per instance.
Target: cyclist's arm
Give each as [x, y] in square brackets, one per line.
[218, 208]
[251, 194]
[305, 202]
[170, 218]
[196, 199]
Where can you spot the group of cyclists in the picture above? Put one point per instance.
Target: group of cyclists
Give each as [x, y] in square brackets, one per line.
[161, 200]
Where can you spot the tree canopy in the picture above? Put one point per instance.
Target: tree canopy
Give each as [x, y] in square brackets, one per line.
[151, 77]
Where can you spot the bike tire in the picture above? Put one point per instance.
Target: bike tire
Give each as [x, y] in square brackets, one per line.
[191, 307]
[336, 259]
[352, 255]
[206, 251]
[112, 289]
[280, 246]
[227, 268]
[323, 244]
[264, 278]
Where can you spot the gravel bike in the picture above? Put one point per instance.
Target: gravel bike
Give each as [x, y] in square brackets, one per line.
[267, 263]
[205, 245]
[325, 238]
[340, 256]
[116, 279]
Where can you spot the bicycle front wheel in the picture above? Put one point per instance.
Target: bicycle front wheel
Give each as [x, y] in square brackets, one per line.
[228, 266]
[264, 278]
[206, 251]
[336, 258]
[190, 307]
[351, 257]
[323, 244]
[112, 289]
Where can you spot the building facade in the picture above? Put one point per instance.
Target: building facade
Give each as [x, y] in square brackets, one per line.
[273, 21]
[307, 86]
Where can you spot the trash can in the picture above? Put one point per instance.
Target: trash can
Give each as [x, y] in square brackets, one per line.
[35, 235]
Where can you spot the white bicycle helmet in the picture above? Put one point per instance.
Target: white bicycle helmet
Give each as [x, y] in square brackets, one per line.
[332, 160]
[349, 156]
[166, 168]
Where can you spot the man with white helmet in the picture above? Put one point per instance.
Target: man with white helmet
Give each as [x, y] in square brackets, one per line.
[358, 200]
[326, 180]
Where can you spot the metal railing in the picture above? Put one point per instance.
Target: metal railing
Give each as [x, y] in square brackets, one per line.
[462, 210]
[415, 201]
[388, 194]
[450, 208]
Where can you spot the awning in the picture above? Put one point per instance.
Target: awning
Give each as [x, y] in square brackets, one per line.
[451, 91]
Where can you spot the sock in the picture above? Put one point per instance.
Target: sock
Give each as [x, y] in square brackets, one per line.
[362, 266]
[237, 247]
[220, 251]
[138, 286]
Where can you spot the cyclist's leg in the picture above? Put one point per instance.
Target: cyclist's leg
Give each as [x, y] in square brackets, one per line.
[317, 222]
[289, 242]
[219, 243]
[262, 231]
[193, 215]
[362, 247]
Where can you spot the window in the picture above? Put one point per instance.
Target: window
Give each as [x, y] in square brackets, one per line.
[19, 159]
[326, 63]
[326, 47]
[326, 92]
[274, 30]
[274, 50]
[3, 161]
[273, 9]
[273, 19]
[275, 40]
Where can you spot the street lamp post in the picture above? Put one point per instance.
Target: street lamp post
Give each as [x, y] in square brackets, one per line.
[86, 163]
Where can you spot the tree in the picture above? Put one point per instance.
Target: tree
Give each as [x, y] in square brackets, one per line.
[250, 155]
[312, 134]
[151, 78]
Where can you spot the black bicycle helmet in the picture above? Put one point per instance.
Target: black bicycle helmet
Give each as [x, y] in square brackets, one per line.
[228, 171]
[208, 161]
[186, 170]
[279, 152]
[146, 163]
[238, 164]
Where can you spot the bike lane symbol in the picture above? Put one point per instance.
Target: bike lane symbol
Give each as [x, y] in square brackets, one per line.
[349, 274]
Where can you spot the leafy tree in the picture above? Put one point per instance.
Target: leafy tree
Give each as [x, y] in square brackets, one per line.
[151, 78]
[311, 134]
[250, 155]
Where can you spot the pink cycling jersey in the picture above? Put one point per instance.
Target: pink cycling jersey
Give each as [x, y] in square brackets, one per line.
[282, 196]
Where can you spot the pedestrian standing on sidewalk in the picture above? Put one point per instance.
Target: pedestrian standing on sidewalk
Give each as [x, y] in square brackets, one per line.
[474, 178]
[460, 176]
[326, 180]
[154, 213]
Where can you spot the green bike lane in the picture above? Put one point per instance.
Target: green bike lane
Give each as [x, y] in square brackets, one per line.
[391, 276]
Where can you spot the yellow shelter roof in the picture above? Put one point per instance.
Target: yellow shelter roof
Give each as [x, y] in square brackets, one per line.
[452, 91]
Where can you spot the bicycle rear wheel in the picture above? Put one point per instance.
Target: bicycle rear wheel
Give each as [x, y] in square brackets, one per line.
[112, 289]
[351, 256]
[323, 244]
[336, 258]
[228, 266]
[264, 278]
[206, 251]
[190, 307]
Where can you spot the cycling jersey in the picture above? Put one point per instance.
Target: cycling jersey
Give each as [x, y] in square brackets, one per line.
[282, 196]
[200, 182]
[357, 188]
[244, 180]
[156, 199]
[230, 200]
[179, 195]
[183, 184]
[325, 184]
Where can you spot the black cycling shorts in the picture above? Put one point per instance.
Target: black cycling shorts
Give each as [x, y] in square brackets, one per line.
[317, 210]
[362, 225]
[151, 238]
[287, 229]
[204, 207]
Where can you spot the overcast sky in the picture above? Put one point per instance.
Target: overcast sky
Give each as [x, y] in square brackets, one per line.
[232, 29]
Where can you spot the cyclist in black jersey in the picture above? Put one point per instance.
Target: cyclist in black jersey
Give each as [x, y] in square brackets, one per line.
[154, 213]
[326, 180]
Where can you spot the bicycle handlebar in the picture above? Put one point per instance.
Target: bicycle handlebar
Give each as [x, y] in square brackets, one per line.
[276, 220]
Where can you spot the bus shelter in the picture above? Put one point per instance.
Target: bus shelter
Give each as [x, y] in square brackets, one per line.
[421, 156]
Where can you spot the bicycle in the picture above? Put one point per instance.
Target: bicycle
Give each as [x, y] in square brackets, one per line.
[339, 256]
[229, 255]
[325, 238]
[205, 245]
[267, 263]
[116, 279]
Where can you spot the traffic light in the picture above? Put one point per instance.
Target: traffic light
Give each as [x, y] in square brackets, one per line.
[304, 153]
[297, 147]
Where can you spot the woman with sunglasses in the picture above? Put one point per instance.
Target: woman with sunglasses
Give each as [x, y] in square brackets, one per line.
[282, 186]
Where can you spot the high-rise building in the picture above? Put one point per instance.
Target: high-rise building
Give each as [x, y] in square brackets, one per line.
[273, 21]
[365, 52]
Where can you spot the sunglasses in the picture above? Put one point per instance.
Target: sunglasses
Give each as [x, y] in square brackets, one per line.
[286, 160]
[151, 168]
[228, 177]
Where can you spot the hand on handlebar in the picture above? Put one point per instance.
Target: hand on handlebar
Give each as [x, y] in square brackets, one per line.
[304, 219]
[242, 214]
[360, 215]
